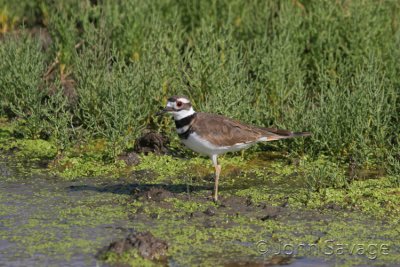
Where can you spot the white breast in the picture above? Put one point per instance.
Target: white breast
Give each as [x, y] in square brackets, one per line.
[202, 146]
[182, 129]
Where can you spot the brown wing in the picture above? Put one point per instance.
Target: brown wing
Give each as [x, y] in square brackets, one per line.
[222, 131]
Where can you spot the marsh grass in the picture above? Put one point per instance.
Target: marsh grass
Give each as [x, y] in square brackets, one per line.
[326, 67]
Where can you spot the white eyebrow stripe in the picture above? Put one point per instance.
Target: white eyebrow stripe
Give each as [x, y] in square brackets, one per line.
[183, 100]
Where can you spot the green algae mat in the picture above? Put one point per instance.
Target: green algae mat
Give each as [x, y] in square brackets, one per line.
[268, 215]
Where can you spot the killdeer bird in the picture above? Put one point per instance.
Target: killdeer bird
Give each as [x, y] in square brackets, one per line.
[212, 134]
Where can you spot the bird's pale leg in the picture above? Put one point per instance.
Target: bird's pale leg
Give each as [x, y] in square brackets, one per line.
[217, 172]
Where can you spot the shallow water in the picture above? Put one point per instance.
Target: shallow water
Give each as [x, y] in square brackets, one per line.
[47, 221]
[34, 231]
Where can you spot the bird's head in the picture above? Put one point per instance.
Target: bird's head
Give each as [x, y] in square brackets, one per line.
[179, 106]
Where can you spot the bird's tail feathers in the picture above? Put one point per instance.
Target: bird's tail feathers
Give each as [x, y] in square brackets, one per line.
[299, 134]
[275, 134]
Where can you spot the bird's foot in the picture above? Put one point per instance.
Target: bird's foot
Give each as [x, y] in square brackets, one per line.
[215, 200]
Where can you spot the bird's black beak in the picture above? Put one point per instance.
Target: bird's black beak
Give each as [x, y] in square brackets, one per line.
[164, 110]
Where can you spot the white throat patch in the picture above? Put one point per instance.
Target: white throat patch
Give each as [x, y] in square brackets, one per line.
[178, 115]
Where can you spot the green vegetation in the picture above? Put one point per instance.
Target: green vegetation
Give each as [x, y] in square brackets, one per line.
[74, 71]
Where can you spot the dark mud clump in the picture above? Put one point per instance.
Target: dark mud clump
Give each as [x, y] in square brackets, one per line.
[210, 211]
[152, 194]
[245, 206]
[145, 244]
[270, 212]
[130, 158]
[151, 142]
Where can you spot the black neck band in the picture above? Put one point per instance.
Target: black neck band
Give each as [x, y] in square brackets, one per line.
[185, 121]
[185, 135]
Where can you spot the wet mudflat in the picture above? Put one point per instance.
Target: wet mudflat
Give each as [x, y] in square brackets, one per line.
[261, 220]
[43, 223]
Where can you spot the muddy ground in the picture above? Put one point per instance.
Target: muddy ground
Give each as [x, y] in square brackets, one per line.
[266, 216]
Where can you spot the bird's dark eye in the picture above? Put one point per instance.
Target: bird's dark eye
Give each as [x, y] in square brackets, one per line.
[179, 104]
